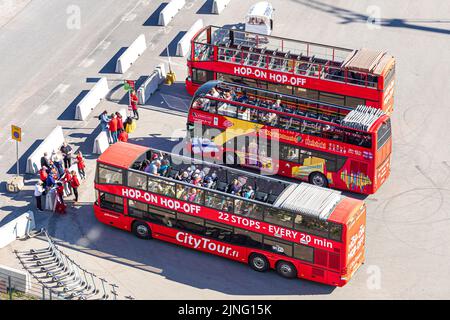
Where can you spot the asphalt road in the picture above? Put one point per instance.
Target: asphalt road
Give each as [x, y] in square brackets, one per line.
[44, 67]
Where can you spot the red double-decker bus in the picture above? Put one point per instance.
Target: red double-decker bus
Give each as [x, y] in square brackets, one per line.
[299, 230]
[319, 72]
[323, 144]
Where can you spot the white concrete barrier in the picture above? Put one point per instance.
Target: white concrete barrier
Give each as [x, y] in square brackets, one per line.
[185, 42]
[52, 142]
[100, 143]
[20, 280]
[16, 228]
[151, 84]
[92, 99]
[162, 71]
[219, 5]
[130, 55]
[169, 11]
[149, 87]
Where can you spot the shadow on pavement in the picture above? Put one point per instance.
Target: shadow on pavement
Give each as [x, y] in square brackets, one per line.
[155, 141]
[23, 158]
[173, 46]
[79, 230]
[110, 66]
[350, 16]
[153, 19]
[206, 8]
[69, 113]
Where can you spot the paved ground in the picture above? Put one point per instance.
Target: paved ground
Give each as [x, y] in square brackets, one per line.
[46, 66]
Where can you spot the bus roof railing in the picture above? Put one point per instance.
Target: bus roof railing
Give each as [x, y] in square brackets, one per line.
[308, 200]
[362, 60]
[359, 120]
[284, 95]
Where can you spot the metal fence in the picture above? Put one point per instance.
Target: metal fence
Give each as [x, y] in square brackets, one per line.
[54, 275]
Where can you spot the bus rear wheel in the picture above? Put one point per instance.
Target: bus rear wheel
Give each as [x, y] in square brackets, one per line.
[286, 270]
[258, 262]
[142, 230]
[318, 179]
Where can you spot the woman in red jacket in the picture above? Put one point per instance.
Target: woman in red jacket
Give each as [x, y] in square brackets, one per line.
[75, 183]
[66, 179]
[81, 165]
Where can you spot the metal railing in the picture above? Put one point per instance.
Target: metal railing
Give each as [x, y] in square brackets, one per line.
[58, 276]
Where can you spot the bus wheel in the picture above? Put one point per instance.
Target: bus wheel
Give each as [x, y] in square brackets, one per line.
[286, 269]
[318, 179]
[142, 230]
[258, 262]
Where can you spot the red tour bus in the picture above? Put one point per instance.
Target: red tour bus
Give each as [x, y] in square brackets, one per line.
[300, 230]
[312, 142]
[315, 71]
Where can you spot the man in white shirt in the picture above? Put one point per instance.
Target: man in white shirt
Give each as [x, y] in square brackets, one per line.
[38, 189]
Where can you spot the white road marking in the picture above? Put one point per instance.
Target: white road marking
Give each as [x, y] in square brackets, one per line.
[113, 29]
[62, 88]
[86, 63]
[104, 45]
[42, 109]
[129, 17]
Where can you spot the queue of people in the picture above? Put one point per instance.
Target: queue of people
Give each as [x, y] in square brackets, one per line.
[57, 180]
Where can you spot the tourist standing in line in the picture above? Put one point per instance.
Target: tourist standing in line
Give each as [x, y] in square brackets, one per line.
[75, 183]
[134, 102]
[38, 190]
[81, 165]
[113, 128]
[66, 151]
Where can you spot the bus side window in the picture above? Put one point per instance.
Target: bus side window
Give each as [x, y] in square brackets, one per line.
[253, 240]
[277, 246]
[162, 217]
[109, 175]
[111, 202]
[190, 224]
[137, 180]
[303, 252]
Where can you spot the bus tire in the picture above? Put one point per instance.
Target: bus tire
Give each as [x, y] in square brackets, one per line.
[318, 179]
[286, 269]
[258, 262]
[142, 230]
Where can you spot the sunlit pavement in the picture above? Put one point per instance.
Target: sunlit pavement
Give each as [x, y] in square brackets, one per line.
[407, 229]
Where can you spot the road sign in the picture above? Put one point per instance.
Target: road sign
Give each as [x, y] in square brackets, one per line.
[16, 133]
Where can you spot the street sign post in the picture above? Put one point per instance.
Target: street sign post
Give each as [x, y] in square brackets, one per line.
[16, 134]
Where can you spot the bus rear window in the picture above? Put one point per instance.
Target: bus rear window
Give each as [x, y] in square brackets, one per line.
[383, 134]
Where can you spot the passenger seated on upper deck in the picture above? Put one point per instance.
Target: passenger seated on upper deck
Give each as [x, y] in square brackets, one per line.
[243, 98]
[277, 105]
[235, 187]
[214, 93]
[165, 165]
[248, 192]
